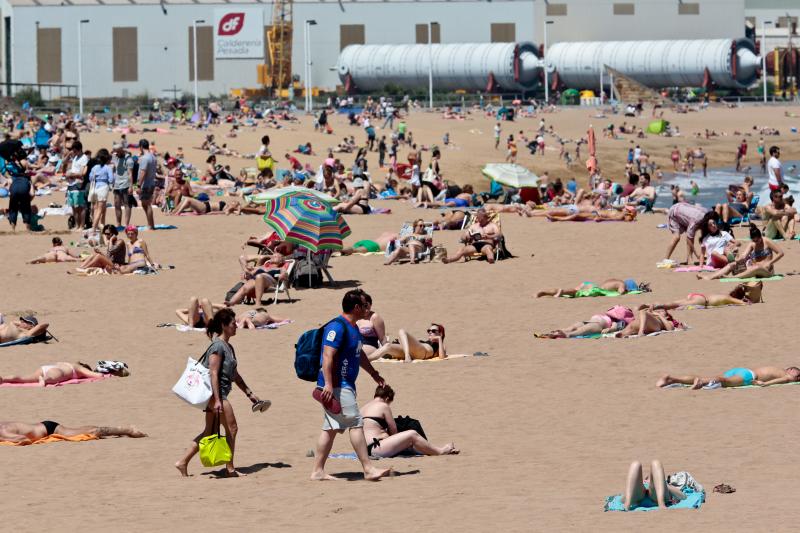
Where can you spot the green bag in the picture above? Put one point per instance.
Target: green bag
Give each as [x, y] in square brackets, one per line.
[214, 449]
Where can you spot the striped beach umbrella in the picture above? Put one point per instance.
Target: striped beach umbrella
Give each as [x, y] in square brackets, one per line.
[271, 194]
[307, 221]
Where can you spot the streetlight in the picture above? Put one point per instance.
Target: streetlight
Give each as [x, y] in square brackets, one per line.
[196, 73]
[764, 55]
[80, 65]
[307, 52]
[546, 82]
[430, 63]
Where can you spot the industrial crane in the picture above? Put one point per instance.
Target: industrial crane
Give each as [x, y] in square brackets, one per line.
[277, 74]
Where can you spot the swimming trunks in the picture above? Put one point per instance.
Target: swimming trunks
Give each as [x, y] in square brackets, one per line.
[631, 285]
[50, 426]
[368, 245]
[746, 374]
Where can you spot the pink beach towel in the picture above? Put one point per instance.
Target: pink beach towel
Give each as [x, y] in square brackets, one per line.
[695, 268]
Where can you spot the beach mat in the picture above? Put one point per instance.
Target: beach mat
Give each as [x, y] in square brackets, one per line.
[145, 228]
[694, 268]
[352, 456]
[68, 382]
[683, 386]
[27, 340]
[431, 360]
[608, 335]
[54, 438]
[597, 292]
[693, 500]
[183, 328]
[745, 280]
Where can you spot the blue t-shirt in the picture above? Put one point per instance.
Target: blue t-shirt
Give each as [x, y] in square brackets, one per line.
[348, 353]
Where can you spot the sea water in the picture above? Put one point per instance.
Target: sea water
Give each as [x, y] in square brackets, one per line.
[714, 186]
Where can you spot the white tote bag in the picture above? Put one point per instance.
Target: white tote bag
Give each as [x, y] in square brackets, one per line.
[194, 385]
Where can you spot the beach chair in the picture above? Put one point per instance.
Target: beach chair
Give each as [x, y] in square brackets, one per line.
[283, 286]
[312, 267]
[408, 229]
[751, 213]
[500, 249]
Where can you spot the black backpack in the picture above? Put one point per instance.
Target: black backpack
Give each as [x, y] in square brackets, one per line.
[307, 351]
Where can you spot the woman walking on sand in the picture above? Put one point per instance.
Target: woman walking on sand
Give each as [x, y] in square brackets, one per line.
[220, 359]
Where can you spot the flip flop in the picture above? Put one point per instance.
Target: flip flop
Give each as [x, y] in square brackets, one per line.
[261, 406]
[722, 488]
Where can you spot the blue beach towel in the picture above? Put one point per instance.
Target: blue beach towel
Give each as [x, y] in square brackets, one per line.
[693, 500]
[27, 340]
[145, 228]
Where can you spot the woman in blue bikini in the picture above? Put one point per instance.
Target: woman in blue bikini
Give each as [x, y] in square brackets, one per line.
[138, 255]
[737, 377]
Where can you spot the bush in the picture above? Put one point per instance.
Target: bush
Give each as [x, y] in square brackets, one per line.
[30, 95]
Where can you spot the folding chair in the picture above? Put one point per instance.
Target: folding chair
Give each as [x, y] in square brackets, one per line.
[283, 286]
[751, 212]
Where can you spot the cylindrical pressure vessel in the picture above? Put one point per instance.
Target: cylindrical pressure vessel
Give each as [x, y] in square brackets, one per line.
[511, 66]
[732, 63]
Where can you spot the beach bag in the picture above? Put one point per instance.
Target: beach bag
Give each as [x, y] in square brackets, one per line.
[405, 423]
[194, 385]
[214, 449]
[264, 162]
[308, 350]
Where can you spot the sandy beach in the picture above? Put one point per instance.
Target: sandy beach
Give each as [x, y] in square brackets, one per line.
[546, 428]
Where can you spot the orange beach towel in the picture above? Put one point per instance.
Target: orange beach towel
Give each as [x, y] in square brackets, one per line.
[54, 438]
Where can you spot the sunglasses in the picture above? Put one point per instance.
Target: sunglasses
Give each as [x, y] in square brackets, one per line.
[433, 330]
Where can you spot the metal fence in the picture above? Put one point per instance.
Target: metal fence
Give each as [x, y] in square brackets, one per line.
[48, 91]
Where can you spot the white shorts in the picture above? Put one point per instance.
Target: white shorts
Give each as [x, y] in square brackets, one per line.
[99, 194]
[350, 417]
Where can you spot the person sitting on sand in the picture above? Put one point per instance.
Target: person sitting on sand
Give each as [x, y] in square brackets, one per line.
[756, 261]
[655, 488]
[742, 294]
[481, 237]
[737, 377]
[257, 318]
[113, 257]
[359, 203]
[589, 288]
[650, 321]
[60, 372]
[179, 188]
[408, 348]
[57, 254]
[717, 247]
[779, 217]
[26, 326]
[24, 433]
[610, 321]
[199, 312]
[138, 254]
[411, 245]
[380, 430]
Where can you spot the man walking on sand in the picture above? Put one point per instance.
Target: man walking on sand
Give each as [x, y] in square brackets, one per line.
[340, 360]
[147, 180]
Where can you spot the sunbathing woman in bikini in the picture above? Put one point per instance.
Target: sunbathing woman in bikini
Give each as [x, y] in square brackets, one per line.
[23, 433]
[650, 321]
[408, 348]
[742, 294]
[57, 254]
[737, 377]
[756, 261]
[614, 319]
[257, 318]
[201, 207]
[138, 255]
[114, 254]
[587, 287]
[380, 430]
[198, 313]
[60, 372]
[411, 245]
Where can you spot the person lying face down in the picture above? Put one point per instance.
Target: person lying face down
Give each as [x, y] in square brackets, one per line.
[737, 377]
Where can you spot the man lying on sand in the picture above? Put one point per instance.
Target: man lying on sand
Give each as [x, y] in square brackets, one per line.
[26, 326]
[23, 433]
[737, 377]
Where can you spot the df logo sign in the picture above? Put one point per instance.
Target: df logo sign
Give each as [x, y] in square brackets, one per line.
[231, 24]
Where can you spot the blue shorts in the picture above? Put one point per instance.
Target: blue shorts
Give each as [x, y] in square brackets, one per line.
[631, 285]
[745, 373]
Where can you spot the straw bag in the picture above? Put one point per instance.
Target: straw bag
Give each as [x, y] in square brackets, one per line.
[214, 449]
[194, 385]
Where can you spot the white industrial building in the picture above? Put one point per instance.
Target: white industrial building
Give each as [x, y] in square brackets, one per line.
[135, 46]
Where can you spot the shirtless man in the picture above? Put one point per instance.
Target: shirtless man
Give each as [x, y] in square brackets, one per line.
[779, 217]
[481, 237]
[26, 326]
[23, 433]
[737, 377]
[644, 191]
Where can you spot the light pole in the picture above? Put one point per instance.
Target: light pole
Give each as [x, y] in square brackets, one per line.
[80, 65]
[307, 45]
[430, 63]
[764, 55]
[196, 73]
[546, 81]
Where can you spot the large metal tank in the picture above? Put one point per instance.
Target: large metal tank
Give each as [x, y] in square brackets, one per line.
[732, 63]
[510, 66]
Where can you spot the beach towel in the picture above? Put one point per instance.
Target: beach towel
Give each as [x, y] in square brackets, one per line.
[606, 335]
[684, 386]
[145, 228]
[746, 280]
[68, 382]
[597, 291]
[431, 360]
[695, 268]
[27, 340]
[54, 438]
[183, 328]
[693, 500]
[380, 211]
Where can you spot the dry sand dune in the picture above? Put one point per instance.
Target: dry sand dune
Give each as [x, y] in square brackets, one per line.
[546, 428]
